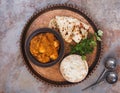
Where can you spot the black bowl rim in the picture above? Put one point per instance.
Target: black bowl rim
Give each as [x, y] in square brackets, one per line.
[32, 58]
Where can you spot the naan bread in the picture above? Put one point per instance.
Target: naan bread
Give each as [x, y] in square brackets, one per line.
[73, 68]
[70, 28]
[53, 24]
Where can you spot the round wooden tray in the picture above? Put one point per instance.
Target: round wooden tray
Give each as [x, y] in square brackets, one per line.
[41, 19]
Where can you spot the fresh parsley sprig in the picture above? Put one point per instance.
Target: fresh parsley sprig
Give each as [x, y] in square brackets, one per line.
[86, 46]
[98, 35]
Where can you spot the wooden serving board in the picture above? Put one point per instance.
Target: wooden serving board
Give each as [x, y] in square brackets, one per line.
[41, 19]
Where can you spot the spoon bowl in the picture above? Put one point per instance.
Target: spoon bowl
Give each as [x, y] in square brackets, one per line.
[110, 63]
[111, 77]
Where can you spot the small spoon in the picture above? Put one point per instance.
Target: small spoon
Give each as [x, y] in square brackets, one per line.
[110, 64]
[111, 78]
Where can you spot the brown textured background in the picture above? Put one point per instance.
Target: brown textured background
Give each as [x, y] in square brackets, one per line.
[15, 78]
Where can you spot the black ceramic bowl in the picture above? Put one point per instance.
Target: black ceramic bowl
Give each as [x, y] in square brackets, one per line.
[33, 59]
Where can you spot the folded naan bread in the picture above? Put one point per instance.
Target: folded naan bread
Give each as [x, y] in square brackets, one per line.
[70, 28]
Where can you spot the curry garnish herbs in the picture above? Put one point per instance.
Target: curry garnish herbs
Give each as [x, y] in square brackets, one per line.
[86, 46]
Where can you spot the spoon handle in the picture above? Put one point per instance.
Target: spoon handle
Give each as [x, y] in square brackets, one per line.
[89, 86]
[101, 75]
[93, 84]
[98, 80]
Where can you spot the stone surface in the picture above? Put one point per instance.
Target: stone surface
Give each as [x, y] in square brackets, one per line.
[15, 78]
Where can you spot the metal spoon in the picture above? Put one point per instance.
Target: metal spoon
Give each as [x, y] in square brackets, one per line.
[110, 63]
[111, 78]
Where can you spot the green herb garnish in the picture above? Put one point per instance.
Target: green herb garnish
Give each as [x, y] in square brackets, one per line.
[86, 46]
[98, 35]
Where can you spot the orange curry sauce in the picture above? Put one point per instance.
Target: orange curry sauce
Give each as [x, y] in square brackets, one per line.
[44, 47]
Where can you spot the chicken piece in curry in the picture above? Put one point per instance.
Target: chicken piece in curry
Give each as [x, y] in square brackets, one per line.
[44, 47]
